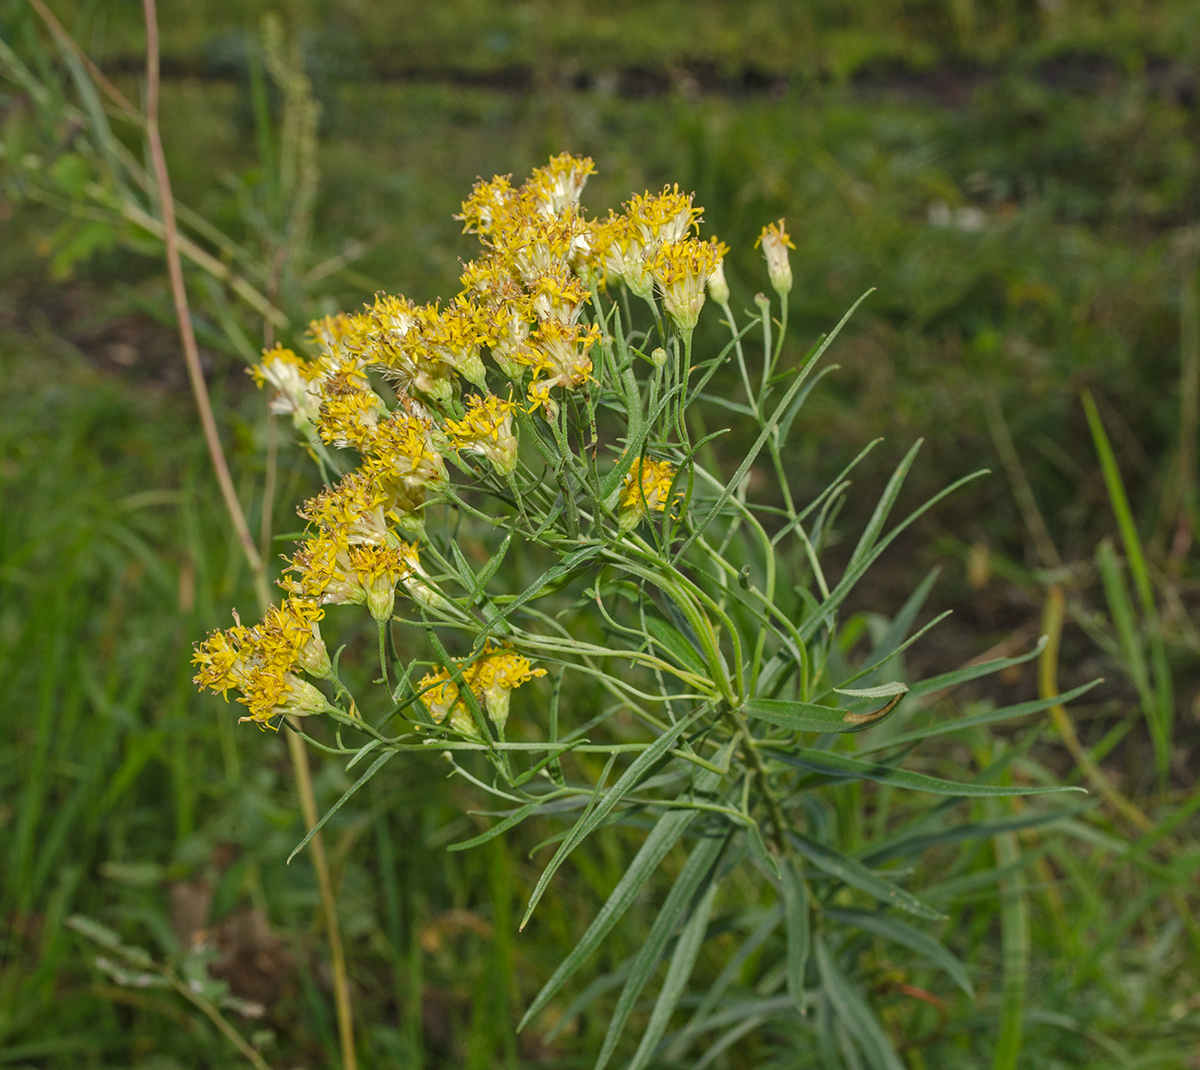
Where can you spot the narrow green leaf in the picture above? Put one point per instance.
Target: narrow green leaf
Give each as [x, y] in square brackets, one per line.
[879, 517]
[809, 717]
[971, 672]
[797, 925]
[547, 580]
[1120, 608]
[511, 821]
[851, 871]
[1164, 707]
[676, 645]
[1004, 713]
[1015, 951]
[371, 771]
[658, 843]
[854, 572]
[700, 1021]
[626, 783]
[878, 691]
[901, 932]
[683, 961]
[768, 429]
[485, 574]
[855, 1014]
[909, 845]
[698, 866]
[842, 765]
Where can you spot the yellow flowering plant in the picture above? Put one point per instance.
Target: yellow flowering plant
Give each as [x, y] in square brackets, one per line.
[531, 505]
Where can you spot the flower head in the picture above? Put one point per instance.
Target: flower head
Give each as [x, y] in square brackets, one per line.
[681, 270]
[645, 491]
[295, 381]
[775, 243]
[260, 663]
[495, 676]
[487, 429]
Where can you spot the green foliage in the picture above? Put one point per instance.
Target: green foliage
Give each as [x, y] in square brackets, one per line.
[121, 785]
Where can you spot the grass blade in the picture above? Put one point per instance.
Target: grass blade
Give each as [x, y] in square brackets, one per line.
[797, 925]
[687, 949]
[840, 765]
[592, 819]
[371, 771]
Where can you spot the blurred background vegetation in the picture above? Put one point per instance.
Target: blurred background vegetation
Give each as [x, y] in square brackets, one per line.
[1019, 180]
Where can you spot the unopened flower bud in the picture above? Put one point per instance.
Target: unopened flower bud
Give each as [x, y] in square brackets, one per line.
[658, 357]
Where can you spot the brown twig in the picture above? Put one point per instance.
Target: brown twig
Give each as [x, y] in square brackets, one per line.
[238, 518]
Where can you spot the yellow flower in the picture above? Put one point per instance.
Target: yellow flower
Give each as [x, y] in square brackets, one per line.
[442, 698]
[355, 506]
[296, 382]
[645, 491]
[775, 243]
[401, 462]
[349, 413]
[259, 662]
[559, 352]
[681, 270]
[558, 185]
[491, 679]
[495, 676]
[487, 429]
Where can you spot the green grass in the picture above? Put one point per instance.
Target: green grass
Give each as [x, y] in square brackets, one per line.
[118, 783]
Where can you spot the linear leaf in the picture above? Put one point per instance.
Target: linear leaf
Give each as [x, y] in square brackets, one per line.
[626, 783]
[732, 970]
[842, 765]
[851, 871]
[662, 838]
[911, 845]
[683, 961]
[513, 819]
[371, 771]
[971, 672]
[698, 866]
[855, 571]
[886, 500]
[673, 640]
[1004, 713]
[901, 932]
[797, 925]
[878, 691]
[768, 429]
[486, 573]
[852, 1009]
[809, 717]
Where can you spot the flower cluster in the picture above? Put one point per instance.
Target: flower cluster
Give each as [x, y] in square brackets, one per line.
[525, 304]
[490, 678]
[262, 662]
